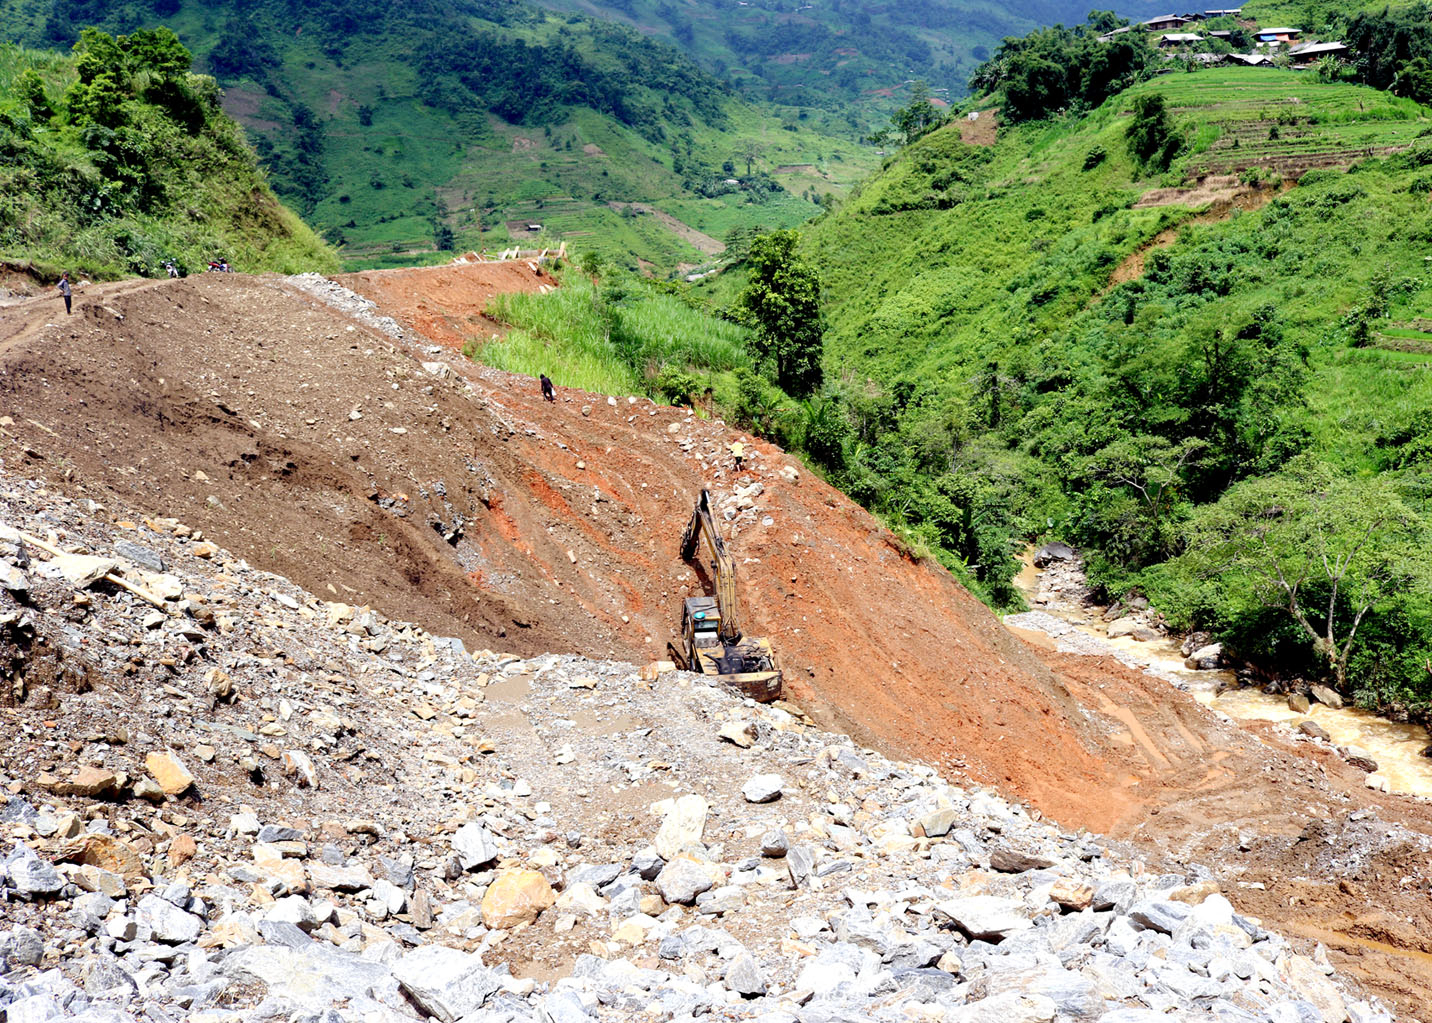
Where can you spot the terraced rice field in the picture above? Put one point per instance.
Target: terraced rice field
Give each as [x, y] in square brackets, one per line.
[1286, 122]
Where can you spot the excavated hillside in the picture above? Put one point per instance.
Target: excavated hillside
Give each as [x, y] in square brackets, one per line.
[368, 462]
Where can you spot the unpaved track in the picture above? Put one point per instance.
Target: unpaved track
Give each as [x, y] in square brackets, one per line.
[227, 402]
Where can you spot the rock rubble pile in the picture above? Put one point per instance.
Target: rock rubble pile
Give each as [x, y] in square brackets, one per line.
[228, 799]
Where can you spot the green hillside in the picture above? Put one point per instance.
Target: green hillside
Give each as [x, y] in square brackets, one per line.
[1043, 337]
[404, 132]
[119, 157]
[853, 55]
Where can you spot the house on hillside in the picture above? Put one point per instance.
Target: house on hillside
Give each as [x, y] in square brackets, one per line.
[1306, 53]
[1221, 33]
[1171, 39]
[1251, 59]
[1282, 36]
[1165, 23]
[1231, 12]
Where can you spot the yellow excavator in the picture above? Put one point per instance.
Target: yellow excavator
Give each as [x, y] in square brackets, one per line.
[710, 625]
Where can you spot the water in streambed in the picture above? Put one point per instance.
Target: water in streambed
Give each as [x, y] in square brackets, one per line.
[1062, 620]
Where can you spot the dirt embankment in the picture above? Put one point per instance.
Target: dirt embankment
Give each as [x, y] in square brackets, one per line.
[458, 499]
[448, 304]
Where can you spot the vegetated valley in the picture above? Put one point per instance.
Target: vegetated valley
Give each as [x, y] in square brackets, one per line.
[407, 132]
[1204, 360]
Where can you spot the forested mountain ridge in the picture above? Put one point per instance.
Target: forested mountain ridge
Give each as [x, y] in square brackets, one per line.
[1206, 375]
[400, 130]
[851, 55]
[118, 158]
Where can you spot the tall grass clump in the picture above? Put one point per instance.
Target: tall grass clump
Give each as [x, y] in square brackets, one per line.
[620, 336]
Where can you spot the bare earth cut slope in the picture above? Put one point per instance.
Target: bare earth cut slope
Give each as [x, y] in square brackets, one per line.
[385, 470]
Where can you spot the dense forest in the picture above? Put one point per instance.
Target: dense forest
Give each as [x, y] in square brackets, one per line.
[119, 157]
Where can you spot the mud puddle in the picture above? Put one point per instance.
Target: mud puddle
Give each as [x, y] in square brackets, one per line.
[1396, 747]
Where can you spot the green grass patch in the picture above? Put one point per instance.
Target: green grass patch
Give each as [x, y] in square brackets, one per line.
[619, 338]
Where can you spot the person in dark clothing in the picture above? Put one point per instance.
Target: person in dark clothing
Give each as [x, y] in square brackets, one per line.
[65, 290]
[548, 391]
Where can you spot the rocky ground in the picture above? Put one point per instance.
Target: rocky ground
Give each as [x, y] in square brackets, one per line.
[229, 799]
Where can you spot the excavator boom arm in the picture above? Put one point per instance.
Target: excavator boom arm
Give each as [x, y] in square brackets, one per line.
[702, 528]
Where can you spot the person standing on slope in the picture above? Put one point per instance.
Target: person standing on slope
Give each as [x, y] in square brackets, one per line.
[65, 290]
[548, 391]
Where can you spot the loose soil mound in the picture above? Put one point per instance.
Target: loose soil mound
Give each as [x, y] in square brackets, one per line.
[447, 303]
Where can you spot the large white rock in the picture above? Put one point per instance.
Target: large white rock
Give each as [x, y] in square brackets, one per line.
[763, 788]
[1305, 977]
[83, 570]
[986, 917]
[167, 922]
[685, 821]
[475, 846]
[446, 982]
[1010, 1007]
[681, 880]
[1205, 658]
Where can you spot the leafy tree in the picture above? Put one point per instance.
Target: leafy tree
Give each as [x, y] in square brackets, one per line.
[1325, 549]
[781, 302]
[1060, 68]
[1414, 80]
[1153, 143]
[914, 120]
[31, 90]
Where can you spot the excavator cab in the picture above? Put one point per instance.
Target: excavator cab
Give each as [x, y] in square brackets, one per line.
[712, 642]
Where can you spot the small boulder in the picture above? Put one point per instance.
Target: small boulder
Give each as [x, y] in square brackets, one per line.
[299, 766]
[167, 922]
[1315, 730]
[475, 846]
[741, 733]
[938, 823]
[1360, 758]
[745, 977]
[1159, 914]
[1205, 658]
[763, 788]
[166, 769]
[517, 896]
[775, 844]
[1327, 696]
[1298, 703]
[24, 947]
[83, 570]
[682, 826]
[30, 875]
[1131, 627]
[1052, 552]
[1071, 894]
[1008, 860]
[89, 781]
[446, 983]
[681, 880]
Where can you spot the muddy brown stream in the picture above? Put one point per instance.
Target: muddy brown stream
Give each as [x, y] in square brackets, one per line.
[1396, 747]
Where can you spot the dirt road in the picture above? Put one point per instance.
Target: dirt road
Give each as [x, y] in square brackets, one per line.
[320, 449]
